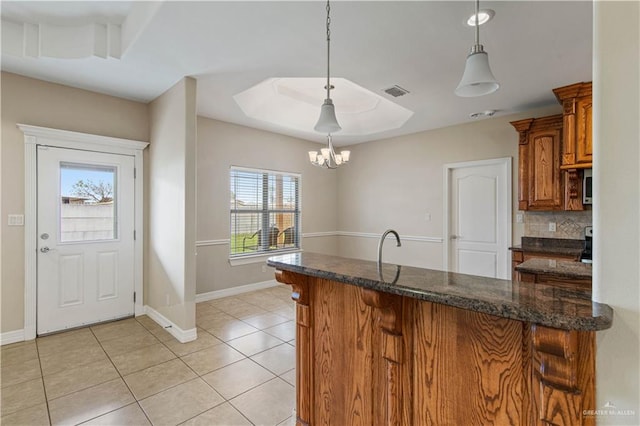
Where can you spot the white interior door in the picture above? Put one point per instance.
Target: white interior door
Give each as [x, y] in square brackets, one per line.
[479, 218]
[85, 232]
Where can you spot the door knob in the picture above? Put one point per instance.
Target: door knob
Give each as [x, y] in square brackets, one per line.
[454, 237]
[45, 249]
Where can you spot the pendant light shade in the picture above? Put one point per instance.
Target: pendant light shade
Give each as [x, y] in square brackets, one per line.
[327, 123]
[477, 79]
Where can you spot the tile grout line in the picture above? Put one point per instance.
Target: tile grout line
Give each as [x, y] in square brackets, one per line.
[171, 387]
[121, 378]
[198, 376]
[44, 388]
[246, 357]
[98, 384]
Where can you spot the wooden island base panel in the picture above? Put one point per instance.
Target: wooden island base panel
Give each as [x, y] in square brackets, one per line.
[367, 356]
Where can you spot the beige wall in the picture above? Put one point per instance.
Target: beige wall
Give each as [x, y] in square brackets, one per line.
[394, 183]
[29, 101]
[170, 278]
[222, 145]
[616, 123]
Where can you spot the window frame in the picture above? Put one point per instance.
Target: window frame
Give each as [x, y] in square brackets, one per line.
[261, 255]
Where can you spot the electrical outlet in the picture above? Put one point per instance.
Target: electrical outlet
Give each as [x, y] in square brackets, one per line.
[552, 227]
[519, 218]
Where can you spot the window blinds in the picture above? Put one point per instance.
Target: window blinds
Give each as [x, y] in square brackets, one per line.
[265, 211]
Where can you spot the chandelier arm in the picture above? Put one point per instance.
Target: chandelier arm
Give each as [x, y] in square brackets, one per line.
[332, 153]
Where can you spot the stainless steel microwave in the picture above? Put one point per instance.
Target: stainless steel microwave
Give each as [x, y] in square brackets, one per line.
[587, 188]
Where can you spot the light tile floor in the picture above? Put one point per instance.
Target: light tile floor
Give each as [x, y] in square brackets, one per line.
[240, 370]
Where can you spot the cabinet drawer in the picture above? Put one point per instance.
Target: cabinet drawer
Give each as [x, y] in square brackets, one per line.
[517, 256]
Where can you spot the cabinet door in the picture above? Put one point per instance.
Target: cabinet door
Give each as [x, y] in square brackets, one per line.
[584, 147]
[544, 170]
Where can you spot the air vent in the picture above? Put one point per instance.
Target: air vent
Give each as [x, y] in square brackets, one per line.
[487, 113]
[396, 91]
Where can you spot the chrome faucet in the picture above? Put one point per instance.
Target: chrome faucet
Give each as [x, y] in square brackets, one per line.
[381, 243]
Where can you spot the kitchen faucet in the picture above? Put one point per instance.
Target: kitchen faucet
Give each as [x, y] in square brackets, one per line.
[381, 243]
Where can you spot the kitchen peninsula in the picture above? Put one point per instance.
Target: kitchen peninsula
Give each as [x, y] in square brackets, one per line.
[396, 345]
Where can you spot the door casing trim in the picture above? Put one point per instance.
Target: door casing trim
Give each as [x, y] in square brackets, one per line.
[506, 162]
[34, 136]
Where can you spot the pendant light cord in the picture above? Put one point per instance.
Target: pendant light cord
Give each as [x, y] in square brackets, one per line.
[477, 22]
[328, 48]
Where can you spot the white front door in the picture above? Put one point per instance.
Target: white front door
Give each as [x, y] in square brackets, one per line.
[85, 233]
[479, 217]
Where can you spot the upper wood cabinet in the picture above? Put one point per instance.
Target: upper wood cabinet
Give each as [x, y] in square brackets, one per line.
[539, 182]
[577, 147]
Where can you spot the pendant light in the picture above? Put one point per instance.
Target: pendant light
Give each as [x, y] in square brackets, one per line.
[328, 123]
[327, 157]
[477, 80]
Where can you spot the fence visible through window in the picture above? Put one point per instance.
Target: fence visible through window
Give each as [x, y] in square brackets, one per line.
[87, 202]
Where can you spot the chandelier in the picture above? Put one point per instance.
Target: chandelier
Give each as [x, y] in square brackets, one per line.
[328, 123]
[327, 157]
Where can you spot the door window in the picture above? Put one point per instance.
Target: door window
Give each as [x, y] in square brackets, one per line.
[88, 197]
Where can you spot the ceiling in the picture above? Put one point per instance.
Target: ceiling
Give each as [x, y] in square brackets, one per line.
[229, 47]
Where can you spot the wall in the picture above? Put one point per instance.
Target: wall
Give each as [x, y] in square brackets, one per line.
[170, 278]
[222, 145]
[394, 183]
[39, 103]
[616, 125]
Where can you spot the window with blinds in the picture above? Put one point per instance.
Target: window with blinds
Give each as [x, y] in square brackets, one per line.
[265, 211]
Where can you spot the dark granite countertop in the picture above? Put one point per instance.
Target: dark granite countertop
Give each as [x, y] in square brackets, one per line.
[559, 246]
[557, 268]
[540, 304]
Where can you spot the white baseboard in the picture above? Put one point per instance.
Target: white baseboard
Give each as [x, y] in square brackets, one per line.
[183, 336]
[11, 337]
[219, 294]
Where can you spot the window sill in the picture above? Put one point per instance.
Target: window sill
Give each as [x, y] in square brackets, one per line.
[259, 258]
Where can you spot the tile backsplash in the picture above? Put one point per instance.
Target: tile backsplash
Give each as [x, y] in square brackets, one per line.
[568, 224]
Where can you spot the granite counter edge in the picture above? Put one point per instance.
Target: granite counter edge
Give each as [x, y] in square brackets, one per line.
[603, 320]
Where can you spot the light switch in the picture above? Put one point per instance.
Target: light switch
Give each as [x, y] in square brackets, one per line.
[427, 217]
[16, 220]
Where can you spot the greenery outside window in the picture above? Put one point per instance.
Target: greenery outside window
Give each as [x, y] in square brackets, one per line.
[265, 212]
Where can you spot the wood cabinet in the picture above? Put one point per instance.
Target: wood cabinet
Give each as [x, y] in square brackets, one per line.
[517, 257]
[551, 279]
[365, 357]
[577, 145]
[577, 141]
[539, 181]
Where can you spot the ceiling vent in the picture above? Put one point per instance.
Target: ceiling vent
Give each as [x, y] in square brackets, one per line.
[396, 91]
[487, 113]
